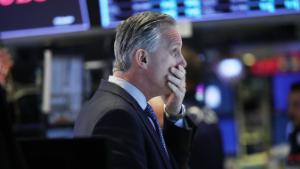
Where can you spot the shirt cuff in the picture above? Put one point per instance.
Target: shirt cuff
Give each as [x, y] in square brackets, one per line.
[178, 118]
[180, 123]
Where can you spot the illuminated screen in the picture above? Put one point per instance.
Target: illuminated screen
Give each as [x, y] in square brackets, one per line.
[228, 129]
[66, 89]
[216, 96]
[113, 11]
[23, 18]
[281, 88]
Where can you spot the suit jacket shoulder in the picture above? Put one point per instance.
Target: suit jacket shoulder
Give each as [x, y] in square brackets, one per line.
[113, 114]
[108, 99]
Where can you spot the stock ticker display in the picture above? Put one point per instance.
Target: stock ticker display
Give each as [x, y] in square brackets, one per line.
[113, 11]
[25, 18]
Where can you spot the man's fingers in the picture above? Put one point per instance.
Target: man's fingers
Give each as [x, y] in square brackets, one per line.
[178, 82]
[174, 89]
[177, 90]
[179, 73]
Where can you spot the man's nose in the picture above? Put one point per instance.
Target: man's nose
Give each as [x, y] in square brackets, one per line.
[183, 62]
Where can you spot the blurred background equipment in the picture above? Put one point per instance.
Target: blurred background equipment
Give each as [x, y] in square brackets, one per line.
[10, 154]
[112, 12]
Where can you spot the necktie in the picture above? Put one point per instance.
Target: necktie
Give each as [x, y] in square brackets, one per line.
[157, 127]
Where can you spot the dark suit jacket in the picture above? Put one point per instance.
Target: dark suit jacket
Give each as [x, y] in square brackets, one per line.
[113, 114]
[207, 147]
[10, 154]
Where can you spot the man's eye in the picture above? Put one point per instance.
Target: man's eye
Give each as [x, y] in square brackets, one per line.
[175, 52]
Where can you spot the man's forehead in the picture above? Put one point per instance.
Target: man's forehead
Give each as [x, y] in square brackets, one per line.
[172, 36]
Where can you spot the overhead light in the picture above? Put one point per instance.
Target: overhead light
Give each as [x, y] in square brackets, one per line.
[249, 59]
[199, 95]
[212, 96]
[230, 68]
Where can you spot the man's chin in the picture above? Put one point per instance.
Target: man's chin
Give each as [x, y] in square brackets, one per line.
[167, 92]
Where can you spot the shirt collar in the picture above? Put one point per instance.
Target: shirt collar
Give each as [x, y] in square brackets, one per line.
[131, 89]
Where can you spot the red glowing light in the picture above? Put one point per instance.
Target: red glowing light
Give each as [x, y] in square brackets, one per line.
[18, 2]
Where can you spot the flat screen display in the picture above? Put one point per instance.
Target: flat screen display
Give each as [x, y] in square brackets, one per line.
[113, 11]
[25, 18]
[229, 133]
[66, 89]
[216, 96]
[281, 88]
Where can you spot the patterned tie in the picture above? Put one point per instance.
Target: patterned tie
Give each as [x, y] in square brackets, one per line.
[157, 127]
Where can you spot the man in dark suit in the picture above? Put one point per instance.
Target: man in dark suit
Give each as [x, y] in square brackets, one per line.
[148, 63]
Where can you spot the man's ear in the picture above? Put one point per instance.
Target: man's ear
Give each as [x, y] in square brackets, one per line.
[141, 57]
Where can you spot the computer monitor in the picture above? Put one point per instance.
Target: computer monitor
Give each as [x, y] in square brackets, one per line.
[229, 133]
[217, 96]
[27, 18]
[281, 88]
[114, 11]
[62, 88]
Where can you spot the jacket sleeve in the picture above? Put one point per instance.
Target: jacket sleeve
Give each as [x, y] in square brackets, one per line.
[178, 141]
[125, 140]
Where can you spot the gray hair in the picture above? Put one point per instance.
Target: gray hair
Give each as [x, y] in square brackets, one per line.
[141, 31]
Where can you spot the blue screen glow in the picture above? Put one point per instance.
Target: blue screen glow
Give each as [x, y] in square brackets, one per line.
[114, 11]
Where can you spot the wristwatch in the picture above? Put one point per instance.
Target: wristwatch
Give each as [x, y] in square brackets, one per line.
[177, 116]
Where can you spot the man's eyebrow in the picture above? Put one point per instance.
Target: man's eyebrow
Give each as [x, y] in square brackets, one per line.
[175, 44]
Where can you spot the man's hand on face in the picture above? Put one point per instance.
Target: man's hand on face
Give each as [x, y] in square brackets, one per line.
[176, 82]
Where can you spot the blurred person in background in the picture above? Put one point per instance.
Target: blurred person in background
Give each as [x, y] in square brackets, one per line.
[10, 155]
[5, 65]
[294, 115]
[207, 150]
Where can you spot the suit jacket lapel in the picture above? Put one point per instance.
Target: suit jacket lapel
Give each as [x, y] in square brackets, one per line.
[154, 137]
[113, 88]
